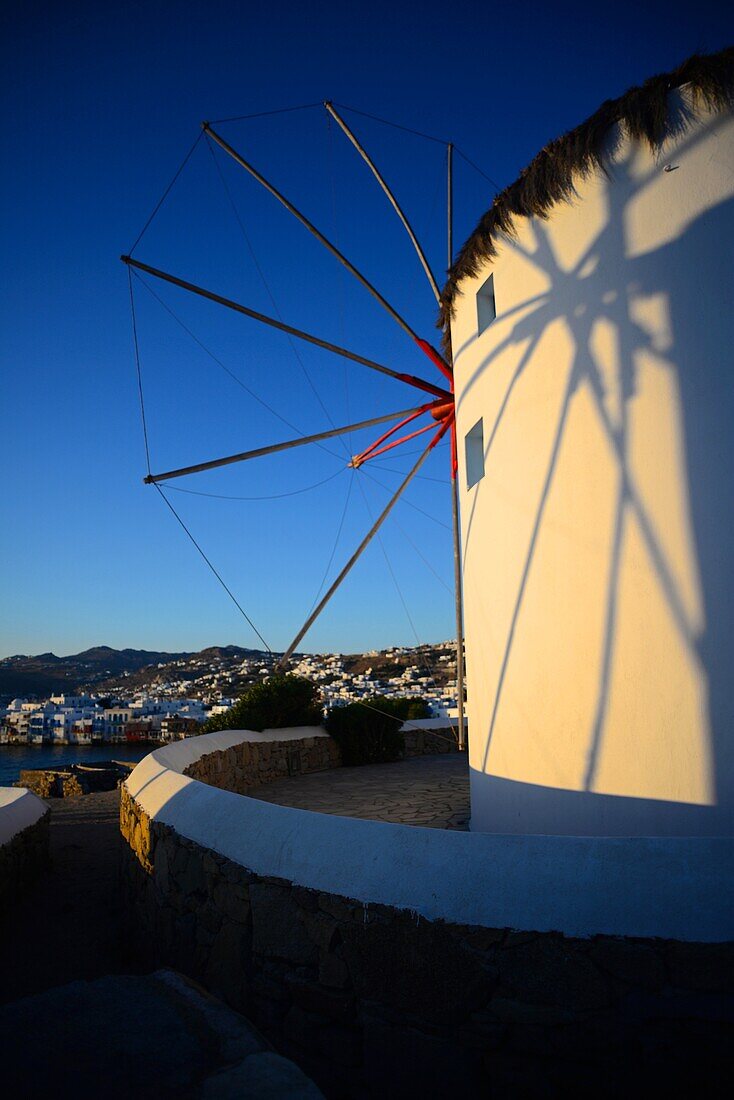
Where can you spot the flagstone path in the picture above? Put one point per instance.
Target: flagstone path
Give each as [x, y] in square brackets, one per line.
[430, 791]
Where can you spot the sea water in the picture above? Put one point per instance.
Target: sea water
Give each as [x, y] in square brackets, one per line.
[15, 757]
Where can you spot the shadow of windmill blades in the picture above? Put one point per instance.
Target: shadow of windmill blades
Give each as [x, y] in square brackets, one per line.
[601, 296]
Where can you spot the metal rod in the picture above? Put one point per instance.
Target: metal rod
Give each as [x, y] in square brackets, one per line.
[362, 546]
[243, 456]
[458, 603]
[409, 379]
[393, 201]
[311, 228]
[450, 203]
[391, 445]
[458, 587]
[359, 459]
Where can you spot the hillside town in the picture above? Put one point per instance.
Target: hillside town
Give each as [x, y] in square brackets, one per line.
[170, 700]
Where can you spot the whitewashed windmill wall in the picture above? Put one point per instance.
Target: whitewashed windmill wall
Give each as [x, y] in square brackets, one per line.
[599, 543]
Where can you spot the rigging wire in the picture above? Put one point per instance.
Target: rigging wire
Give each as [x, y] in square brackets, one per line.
[272, 496]
[415, 451]
[266, 285]
[225, 368]
[407, 721]
[229, 592]
[335, 235]
[137, 365]
[164, 196]
[425, 663]
[336, 543]
[405, 500]
[262, 114]
[476, 167]
[395, 125]
[421, 134]
[423, 558]
[419, 477]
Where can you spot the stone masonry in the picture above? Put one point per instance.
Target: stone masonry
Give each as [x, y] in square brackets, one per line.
[425, 742]
[252, 763]
[73, 780]
[374, 1001]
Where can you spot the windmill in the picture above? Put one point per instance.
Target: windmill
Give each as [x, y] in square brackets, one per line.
[435, 415]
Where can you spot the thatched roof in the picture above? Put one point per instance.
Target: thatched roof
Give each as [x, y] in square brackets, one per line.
[642, 112]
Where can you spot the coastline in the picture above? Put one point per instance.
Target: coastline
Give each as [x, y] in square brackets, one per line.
[16, 757]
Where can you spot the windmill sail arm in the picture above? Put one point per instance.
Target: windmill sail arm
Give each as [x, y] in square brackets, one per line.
[300, 441]
[202, 292]
[391, 198]
[283, 662]
[310, 227]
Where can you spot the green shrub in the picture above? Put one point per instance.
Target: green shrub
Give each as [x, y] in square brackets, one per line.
[275, 703]
[369, 732]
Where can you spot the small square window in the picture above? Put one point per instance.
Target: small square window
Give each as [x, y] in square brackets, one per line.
[486, 309]
[474, 449]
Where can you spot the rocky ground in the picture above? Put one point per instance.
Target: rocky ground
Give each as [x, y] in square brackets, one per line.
[75, 1017]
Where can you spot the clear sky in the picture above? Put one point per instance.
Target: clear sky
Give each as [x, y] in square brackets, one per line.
[100, 104]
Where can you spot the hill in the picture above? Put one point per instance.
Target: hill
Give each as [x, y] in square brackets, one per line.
[46, 674]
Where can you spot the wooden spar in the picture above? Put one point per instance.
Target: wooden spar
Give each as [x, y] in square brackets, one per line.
[244, 456]
[393, 201]
[450, 204]
[409, 379]
[459, 612]
[282, 663]
[458, 595]
[317, 233]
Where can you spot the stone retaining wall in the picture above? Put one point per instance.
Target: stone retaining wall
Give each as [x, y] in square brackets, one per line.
[374, 1001]
[253, 763]
[429, 742]
[22, 858]
[73, 780]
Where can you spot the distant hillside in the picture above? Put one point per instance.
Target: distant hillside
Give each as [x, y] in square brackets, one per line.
[46, 674]
[210, 673]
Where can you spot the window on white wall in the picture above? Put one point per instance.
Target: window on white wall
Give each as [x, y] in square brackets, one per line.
[486, 308]
[474, 448]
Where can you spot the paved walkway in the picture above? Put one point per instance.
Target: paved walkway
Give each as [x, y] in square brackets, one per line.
[431, 791]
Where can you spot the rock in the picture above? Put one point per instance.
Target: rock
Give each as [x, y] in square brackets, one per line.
[277, 926]
[549, 971]
[635, 964]
[321, 929]
[342, 909]
[520, 1012]
[402, 1061]
[704, 966]
[191, 879]
[264, 1076]
[388, 963]
[315, 998]
[333, 971]
[225, 967]
[230, 903]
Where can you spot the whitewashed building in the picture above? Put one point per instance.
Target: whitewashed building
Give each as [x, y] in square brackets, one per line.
[592, 326]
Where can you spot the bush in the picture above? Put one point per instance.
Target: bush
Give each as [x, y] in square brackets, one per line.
[275, 703]
[369, 732]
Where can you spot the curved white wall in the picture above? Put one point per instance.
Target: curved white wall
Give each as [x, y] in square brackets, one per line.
[578, 885]
[19, 809]
[599, 545]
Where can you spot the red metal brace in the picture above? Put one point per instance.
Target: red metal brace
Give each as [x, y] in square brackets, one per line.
[441, 410]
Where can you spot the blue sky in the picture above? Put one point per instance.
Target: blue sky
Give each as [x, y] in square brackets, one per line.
[100, 105]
